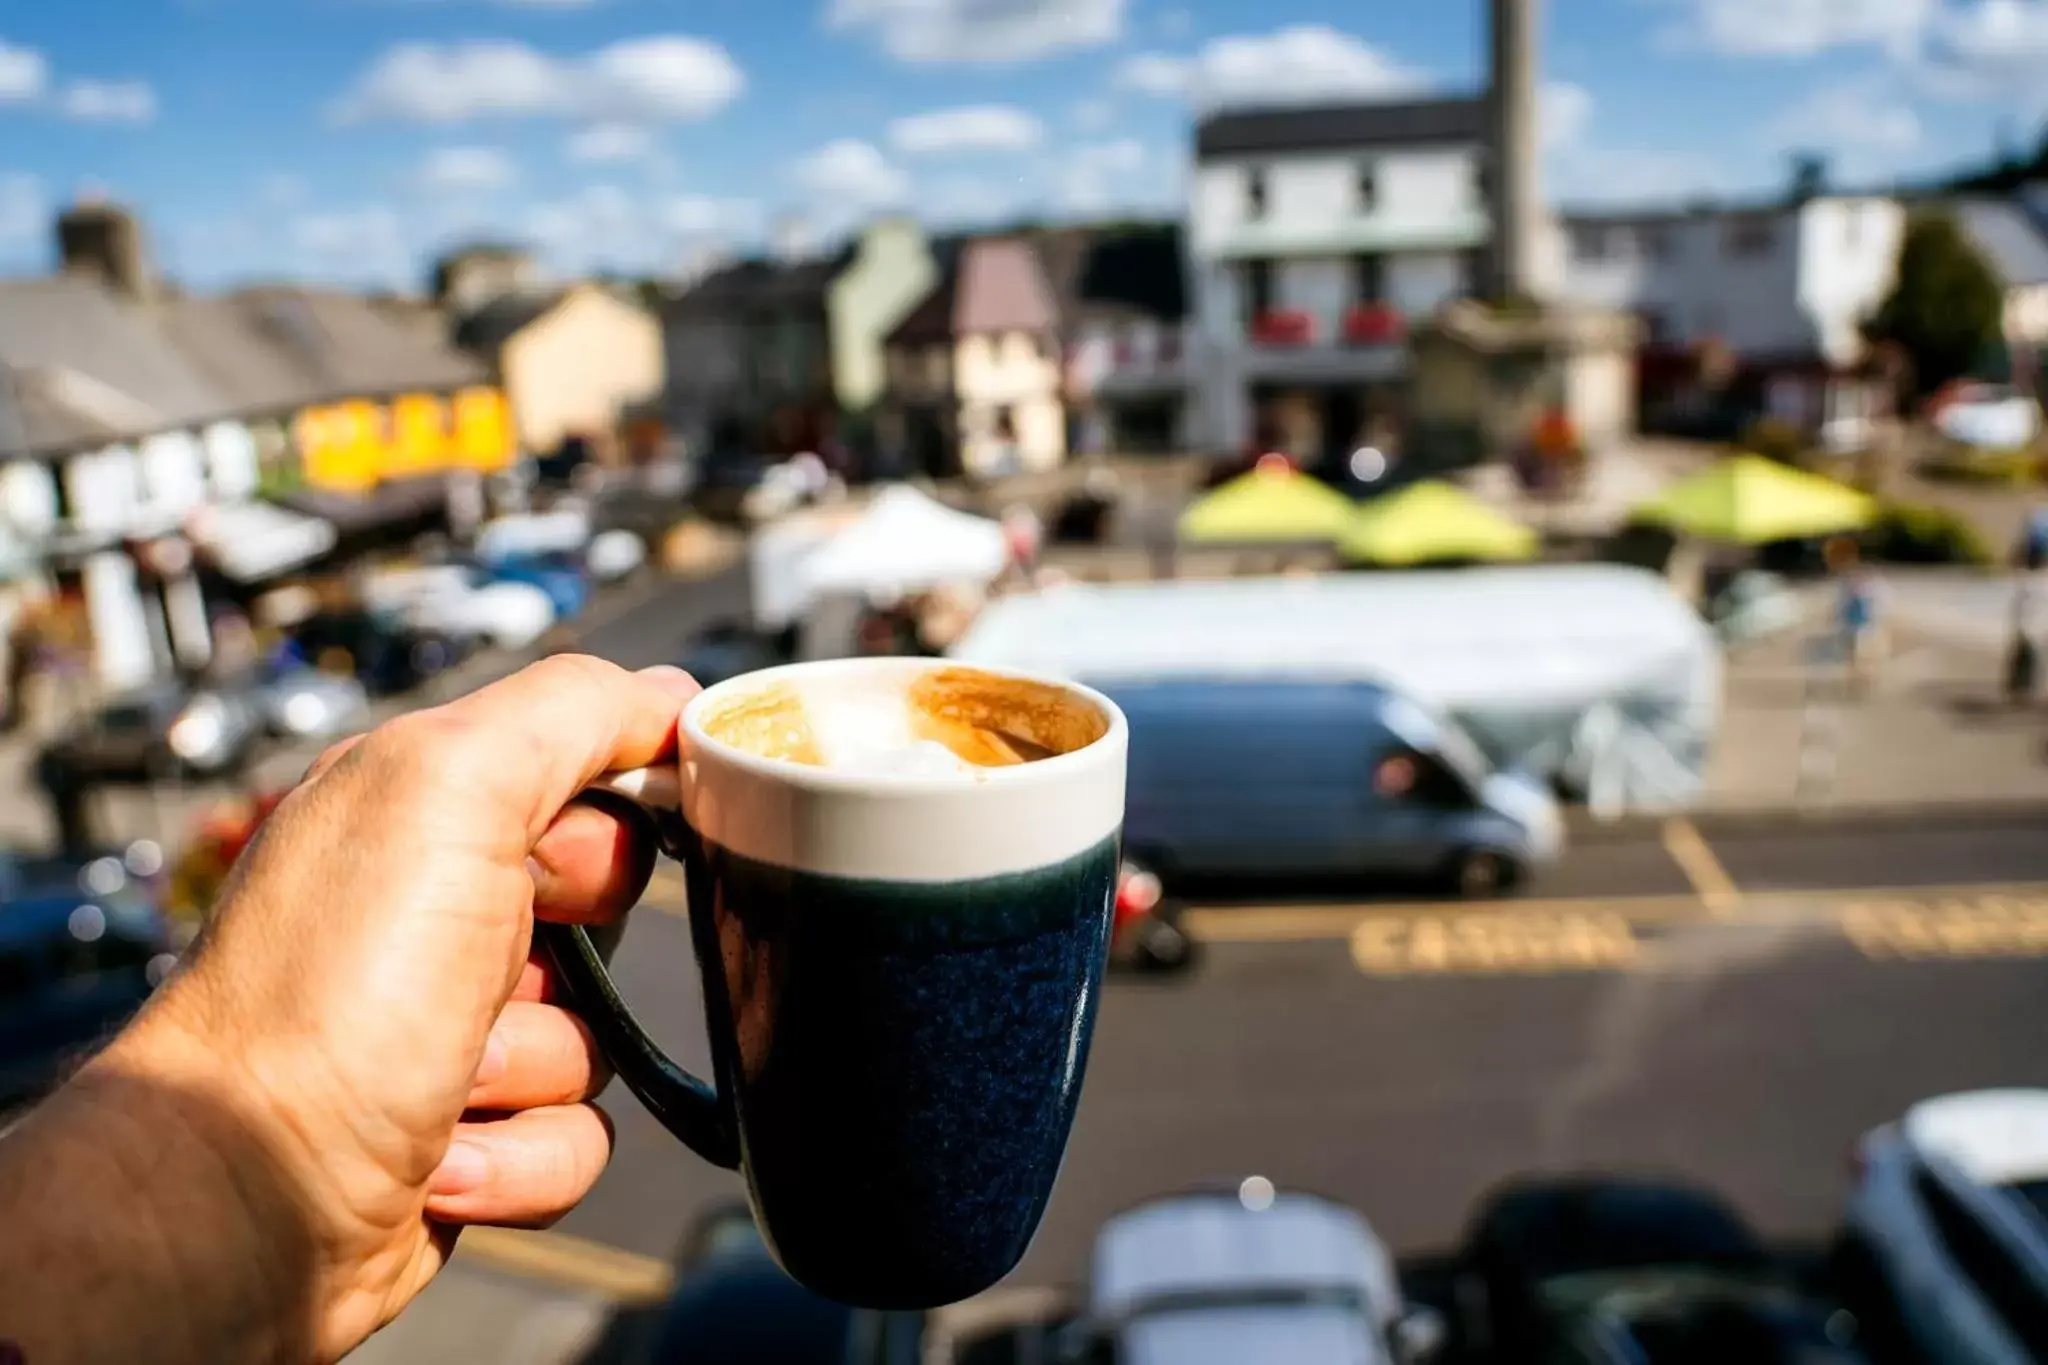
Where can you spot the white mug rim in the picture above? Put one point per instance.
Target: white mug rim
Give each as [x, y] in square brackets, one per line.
[697, 744]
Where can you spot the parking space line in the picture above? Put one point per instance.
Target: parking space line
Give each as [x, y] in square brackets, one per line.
[1308, 923]
[569, 1263]
[1717, 890]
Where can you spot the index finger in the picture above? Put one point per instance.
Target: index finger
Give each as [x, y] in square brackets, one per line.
[548, 731]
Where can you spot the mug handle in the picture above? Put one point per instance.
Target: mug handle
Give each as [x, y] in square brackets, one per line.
[688, 1107]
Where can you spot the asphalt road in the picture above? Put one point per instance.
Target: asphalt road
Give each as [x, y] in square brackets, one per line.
[1404, 1057]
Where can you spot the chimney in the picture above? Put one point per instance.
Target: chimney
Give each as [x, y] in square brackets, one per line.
[99, 240]
[1517, 179]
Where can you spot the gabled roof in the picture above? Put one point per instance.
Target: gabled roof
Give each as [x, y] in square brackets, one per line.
[487, 329]
[1333, 127]
[995, 285]
[39, 417]
[2011, 242]
[73, 323]
[349, 346]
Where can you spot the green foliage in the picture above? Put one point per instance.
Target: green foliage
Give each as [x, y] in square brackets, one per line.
[1923, 533]
[1775, 439]
[1946, 307]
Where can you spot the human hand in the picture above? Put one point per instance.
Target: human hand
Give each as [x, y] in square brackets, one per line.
[364, 1003]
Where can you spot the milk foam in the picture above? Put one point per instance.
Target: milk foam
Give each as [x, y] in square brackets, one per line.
[867, 729]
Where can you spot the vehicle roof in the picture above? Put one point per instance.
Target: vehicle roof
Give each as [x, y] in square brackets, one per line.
[1234, 1336]
[1195, 1243]
[1996, 1137]
[1559, 632]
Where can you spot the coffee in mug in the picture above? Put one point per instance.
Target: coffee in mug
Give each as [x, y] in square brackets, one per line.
[901, 875]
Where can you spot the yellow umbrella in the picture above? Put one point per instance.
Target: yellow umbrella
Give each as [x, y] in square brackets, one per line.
[1270, 505]
[1431, 522]
[1748, 500]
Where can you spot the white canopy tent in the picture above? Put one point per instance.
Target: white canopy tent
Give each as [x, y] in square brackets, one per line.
[903, 542]
[1593, 674]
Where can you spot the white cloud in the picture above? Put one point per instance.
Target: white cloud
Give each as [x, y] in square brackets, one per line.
[985, 32]
[1994, 49]
[851, 175]
[108, 102]
[1800, 28]
[1096, 176]
[1299, 63]
[24, 210]
[660, 79]
[697, 216]
[367, 244]
[1567, 113]
[1579, 170]
[1092, 115]
[960, 201]
[1859, 120]
[970, 128]
[465, 171]
[605, 227]
[24, 74]
[607, 142]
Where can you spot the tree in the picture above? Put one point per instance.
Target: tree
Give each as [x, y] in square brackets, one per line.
[1947, 306]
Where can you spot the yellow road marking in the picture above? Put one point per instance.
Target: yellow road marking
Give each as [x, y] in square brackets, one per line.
[1992, 924]
[570, 1263]
[1494, 944]
[1697, 861]
[1310, 923]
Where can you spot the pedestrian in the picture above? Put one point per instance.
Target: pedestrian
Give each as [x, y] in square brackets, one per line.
[2022, 660]
[1858, 612]
[2033, 547]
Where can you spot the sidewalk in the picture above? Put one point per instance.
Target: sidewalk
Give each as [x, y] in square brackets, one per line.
[1931, 730]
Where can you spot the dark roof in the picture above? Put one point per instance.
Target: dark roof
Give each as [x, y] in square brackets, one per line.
[932, 319]
[1307, 128]
[2007, 237]
[758, 285]
[487, 329]
[1135, 270]
[36, 419]
[349, 346]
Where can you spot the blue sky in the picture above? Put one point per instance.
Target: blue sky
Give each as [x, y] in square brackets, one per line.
[347, 139]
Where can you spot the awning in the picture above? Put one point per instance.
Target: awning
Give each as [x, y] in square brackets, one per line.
[252, 541]
[1271, 505]
[1432, 523]
[388, 504]
[1748, 500]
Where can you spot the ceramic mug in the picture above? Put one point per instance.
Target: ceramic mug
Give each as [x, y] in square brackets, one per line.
[900, 976]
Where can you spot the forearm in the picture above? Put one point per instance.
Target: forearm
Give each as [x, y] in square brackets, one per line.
[145, 1221]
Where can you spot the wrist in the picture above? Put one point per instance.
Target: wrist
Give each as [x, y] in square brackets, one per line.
[173, 1214]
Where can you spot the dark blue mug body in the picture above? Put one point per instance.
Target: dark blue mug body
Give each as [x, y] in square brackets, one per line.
[896, 1058]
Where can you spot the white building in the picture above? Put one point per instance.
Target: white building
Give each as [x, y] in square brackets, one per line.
[1785, 288]
[1316, 234]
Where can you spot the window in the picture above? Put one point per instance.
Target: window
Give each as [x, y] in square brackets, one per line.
[1369, 279]
[2009, 1287]
[1482, 181]
[1368, 189]
[1653, 241]
[1258, 288]
[1589, 241]
[1747, 236]
[1255, 193]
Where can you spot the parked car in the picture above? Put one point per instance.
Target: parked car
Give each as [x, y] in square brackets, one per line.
[1944, 1251]
[728, 650]
[1248, 1274]
[464, 601]
[310, 703]
[163, 730]
[558, 573]
[1146, 933]
[1622, 1273]
[81, 947]
[1246, 776]
[382, 649]
[733, 1305]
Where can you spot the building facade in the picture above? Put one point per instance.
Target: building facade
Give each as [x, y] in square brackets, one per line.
[572, 362]
[1315, 237]
[1747, 311]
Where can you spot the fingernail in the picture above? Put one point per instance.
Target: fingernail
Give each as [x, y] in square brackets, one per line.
[496, 1058]
[465, 1168]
